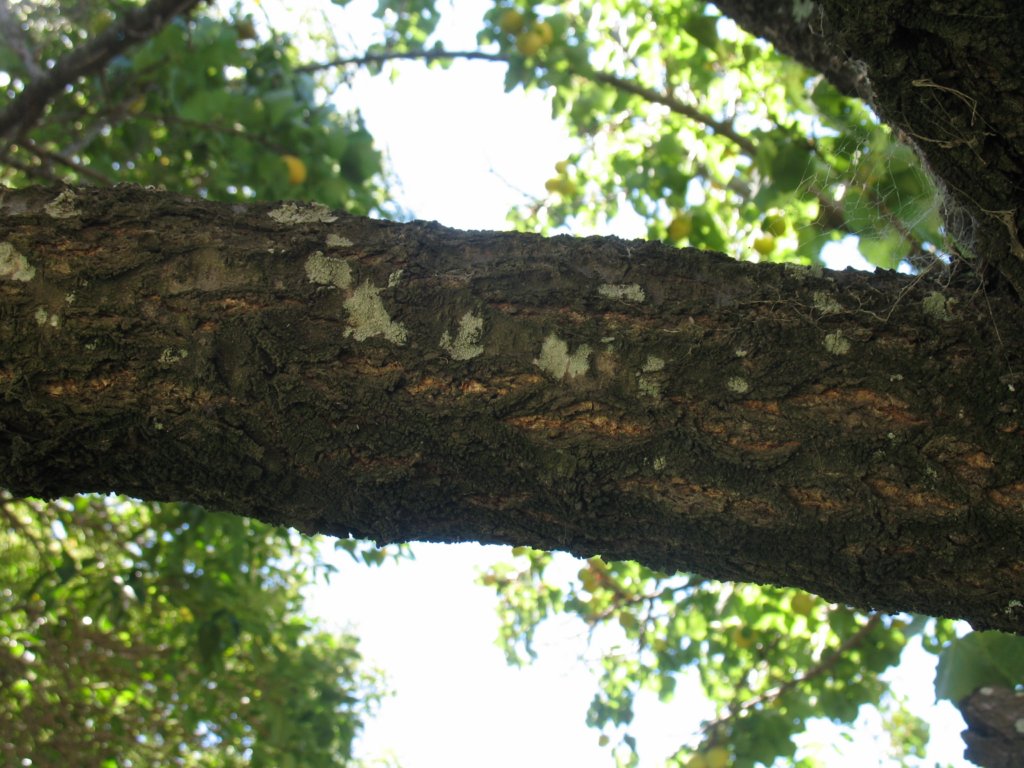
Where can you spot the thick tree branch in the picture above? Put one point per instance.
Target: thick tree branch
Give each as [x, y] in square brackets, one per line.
[856, 435]
[22, 112]
[795, 29]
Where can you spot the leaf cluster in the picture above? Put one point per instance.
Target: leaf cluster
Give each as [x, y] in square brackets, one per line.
[163, 634]
[768, 660]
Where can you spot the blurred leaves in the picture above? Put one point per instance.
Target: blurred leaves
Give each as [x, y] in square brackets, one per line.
[158, 634]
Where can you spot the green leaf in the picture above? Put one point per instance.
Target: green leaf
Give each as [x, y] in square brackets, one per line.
[976, 660]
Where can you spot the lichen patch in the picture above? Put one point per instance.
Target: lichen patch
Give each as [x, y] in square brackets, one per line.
[45, 318]
[937, 306]
[337, 241]
[738, 384]
[466, 344]
[63, 206]
[825, 303]
[622, 292]
[554, 358]
[14, 265]
[836, 344]
[325, 270]
[368, 317]
[306, 213]
[170, 355]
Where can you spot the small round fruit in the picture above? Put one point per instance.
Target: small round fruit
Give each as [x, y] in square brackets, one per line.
[546, 32]
[697, 761]
[296, 169]
[603, 740]
[528, 43]
[717, 757]
[764, 244]
[774, 224]
[553, 184]
[802, 603]
[680, 227]
[742, 637]
[562, 166]
[511, 22]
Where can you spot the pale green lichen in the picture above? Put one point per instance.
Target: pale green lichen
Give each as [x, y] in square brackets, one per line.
[13, 265]
[802, 10]
[653, 363]
[368, 317]
[63, 206]
[647, 381]
[395, 277]
[836, 344]
[803, 271]
[465, 346]
[937, 306]
[622, 292]
[555, 359]
[170, 356]
[738, 385]
[337, 241]
[306, 213]
[45, 318]
[648, 386]
[660, 462]
[324, 270]
[825, 303]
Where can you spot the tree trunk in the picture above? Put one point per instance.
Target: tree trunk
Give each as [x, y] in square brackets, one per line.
[853, 434]
[945, 75]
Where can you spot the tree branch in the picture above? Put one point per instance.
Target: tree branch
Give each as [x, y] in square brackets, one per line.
[139, 24]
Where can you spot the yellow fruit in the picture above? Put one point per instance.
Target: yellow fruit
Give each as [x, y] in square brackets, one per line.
[774, 224]
[561, 185]
[296, 169]
[562, 166]
[528, 43]
[802, 603]
[603, 740]
[137, 105]
[545, 30]
[697, 761]
[764, 244]
[717, 757]
[742, 637]
[680, 227]
[511, 22]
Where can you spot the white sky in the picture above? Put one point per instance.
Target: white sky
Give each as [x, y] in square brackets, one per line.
[464, 150]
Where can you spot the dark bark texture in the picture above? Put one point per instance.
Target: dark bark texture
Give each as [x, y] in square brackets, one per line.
[945, 74]
[857, 435]
[995, 734]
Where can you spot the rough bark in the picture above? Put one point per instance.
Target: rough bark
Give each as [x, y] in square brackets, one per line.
[995, 727]
[797, 30]
[946, 77]
[857, 435]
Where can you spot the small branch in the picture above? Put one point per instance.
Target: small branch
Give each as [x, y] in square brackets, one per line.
[18, 40]
[677, 106]
[137, 25]
[817, 670]
[380, 58]
[60, 159]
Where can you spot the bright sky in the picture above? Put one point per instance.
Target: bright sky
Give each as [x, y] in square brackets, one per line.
[464, 151]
